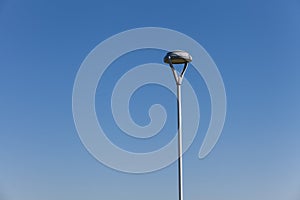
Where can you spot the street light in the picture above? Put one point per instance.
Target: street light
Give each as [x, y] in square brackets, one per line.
[179, 57]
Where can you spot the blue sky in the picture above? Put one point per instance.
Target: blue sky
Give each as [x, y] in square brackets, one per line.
[256, 47]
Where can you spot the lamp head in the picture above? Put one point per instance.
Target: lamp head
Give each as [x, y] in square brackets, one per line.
[178, 57]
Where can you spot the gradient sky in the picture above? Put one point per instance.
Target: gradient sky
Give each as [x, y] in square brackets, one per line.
[256, 46]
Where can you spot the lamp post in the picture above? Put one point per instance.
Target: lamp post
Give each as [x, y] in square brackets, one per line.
[179, 57]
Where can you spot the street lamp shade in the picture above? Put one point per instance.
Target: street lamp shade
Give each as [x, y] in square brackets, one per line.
[178, 57]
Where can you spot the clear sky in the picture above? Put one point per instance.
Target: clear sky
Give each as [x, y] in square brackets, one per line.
[256, 46]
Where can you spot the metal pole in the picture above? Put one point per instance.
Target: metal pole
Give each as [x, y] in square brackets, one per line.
[180, 180]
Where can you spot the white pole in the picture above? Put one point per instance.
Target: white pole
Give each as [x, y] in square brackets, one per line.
[180, 180]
